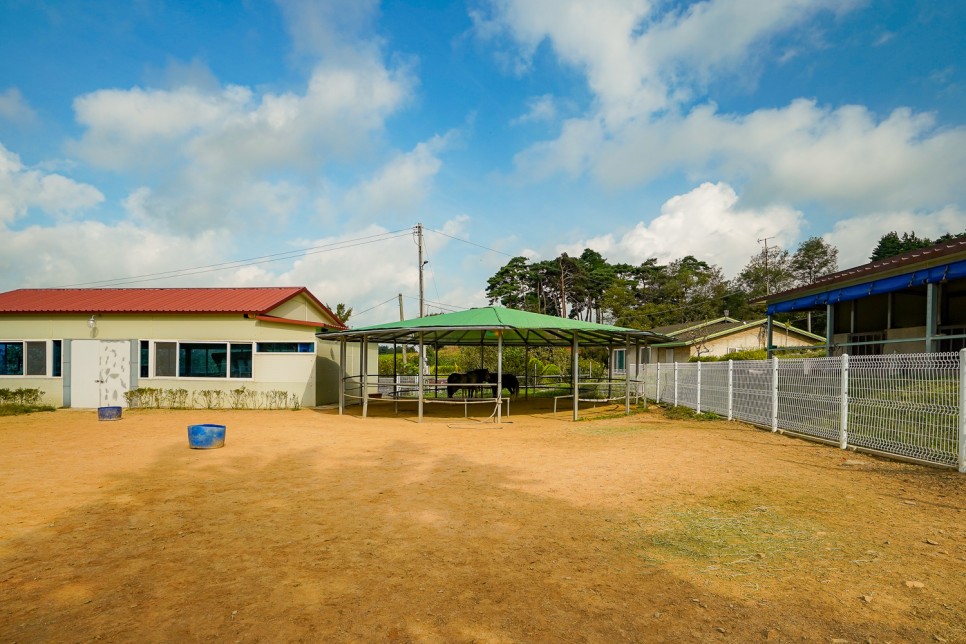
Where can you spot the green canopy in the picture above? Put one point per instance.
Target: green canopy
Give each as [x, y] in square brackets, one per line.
[484, 325]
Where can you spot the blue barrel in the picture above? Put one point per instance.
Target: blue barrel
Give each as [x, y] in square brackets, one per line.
[206, 436]
[108, 413]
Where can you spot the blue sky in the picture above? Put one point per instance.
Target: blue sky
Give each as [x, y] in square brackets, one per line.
[143, 138]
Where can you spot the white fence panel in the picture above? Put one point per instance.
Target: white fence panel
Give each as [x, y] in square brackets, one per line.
[906, 404]
[903, 404]
[714, 388]
[688, 384]
[752, 391]
[810, 396]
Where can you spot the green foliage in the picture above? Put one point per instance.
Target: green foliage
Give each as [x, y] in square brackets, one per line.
[686, 413]
[22, 401]
[814, 258]
[891, 244]
[240, 398]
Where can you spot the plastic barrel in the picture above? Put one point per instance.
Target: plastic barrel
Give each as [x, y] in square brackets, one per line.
[206, 436]
[108, 413]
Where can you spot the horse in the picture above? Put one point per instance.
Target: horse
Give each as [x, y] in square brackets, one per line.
[455, 380]
[510, 383]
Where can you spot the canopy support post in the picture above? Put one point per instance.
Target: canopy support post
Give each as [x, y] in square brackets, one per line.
[342, 354]
[627, 375]
[575, 376]
[419, 378]
[499, 376]
[364, 361]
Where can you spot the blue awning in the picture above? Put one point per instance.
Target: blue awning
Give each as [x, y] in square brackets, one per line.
[934, 275]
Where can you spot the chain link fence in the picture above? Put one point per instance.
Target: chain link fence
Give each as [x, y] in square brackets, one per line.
[910, 405]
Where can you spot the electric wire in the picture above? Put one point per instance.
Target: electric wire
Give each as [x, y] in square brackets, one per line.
[241, 263]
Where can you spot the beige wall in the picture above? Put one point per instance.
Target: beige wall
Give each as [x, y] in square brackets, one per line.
[918, 346]
[295, 373]
[301, 308]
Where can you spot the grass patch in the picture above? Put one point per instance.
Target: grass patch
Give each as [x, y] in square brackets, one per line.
[17, 410]
[725, 541]
[686, 413]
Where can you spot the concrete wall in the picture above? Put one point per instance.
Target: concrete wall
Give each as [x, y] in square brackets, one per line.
[295, 373]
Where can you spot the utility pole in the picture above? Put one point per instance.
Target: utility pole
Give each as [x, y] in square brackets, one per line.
[767, 279]
[422, 294]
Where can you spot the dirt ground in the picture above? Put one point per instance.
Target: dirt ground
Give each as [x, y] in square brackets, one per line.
[308, 526]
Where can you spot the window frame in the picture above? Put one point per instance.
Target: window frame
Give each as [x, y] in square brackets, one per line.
[51, 347]
[229, 345]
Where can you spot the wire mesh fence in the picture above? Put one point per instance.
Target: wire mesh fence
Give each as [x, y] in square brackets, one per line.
[911, 405]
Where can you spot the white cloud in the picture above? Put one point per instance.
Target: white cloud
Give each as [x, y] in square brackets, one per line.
[640, 57]
[649, 65]
[402, 184]
[706, 222]
[78, 252]
[13, 107]
[539, 108]
[22, 189]
[856, 237]
[205, 146]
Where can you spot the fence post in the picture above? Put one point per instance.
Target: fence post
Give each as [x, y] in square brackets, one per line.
[731, 389]
[962, 411]
[657, 385]
[774, 394]
[844, 413]
[697, 398]
[675, 384]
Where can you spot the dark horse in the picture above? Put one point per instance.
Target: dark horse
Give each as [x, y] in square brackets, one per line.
[510, 383]
[455, 381]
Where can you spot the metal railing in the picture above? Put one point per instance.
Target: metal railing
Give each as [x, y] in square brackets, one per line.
[908, 405]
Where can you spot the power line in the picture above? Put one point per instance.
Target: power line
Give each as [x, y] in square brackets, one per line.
[240, 263]
[466, 241]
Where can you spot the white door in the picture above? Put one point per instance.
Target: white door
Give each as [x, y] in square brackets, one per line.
[100, 373]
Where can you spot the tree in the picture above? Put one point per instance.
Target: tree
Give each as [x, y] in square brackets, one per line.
[891, 244]
[814, 258]
[341, 311]
[767, 272]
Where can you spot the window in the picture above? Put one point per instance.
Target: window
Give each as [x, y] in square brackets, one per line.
[11, 358]
[145, 370]
[165, 359]
[197, 359]
[57, 353]
[29, 358]
[619, 360]
[36, 358]
[241, 361]
[285, 347]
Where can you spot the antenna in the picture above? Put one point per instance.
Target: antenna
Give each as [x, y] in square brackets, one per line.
[767, 280]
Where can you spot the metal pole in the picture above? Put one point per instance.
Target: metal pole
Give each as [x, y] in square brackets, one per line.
[962, 411]
[419, 377]
[844, 404]
[774, 394]
[675, 384]
[364, 361]
[499, 376]
[342, 353]
[627, 375]
[657, 385]
[575, 379]
[931, 301]
[731, 389]
[770, 327]
[402, 316]
[829, 328]
[697, 402]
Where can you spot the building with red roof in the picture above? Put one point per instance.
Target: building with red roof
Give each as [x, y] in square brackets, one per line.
[102, 347]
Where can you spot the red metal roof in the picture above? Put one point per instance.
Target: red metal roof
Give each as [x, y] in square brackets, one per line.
[258, 301]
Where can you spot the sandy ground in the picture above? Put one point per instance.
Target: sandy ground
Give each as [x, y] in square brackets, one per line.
[308, 526]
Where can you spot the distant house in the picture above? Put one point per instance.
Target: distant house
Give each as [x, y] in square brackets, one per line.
[911, 303]
[87, 347]
[718, 337]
